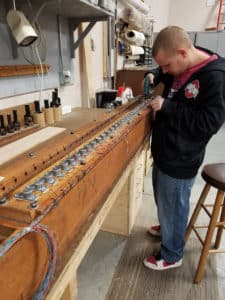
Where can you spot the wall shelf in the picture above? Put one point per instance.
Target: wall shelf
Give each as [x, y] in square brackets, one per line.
[83, 10]
[22, 70]
[76, 11]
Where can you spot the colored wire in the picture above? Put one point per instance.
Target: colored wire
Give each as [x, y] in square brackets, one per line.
[51, 246]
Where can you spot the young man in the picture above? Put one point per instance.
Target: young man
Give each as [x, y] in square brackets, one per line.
[190, 111]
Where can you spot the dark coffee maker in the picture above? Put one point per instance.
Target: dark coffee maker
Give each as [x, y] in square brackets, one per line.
[105, 96]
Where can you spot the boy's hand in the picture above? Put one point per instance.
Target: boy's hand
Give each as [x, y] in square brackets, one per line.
[156, 103]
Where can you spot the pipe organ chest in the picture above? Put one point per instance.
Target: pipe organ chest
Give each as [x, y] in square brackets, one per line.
[48, 192]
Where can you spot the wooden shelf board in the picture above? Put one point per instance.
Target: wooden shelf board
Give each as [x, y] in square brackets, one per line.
[22, 70]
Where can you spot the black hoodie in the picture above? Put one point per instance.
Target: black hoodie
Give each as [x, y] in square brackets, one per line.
[187, 121]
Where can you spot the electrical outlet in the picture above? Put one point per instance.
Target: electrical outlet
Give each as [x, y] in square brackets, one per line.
[92, 45]
[66, 76]
[66, 109]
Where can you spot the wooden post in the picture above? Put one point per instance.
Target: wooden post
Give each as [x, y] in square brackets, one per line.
[86, 71]
[105, 51]
[121, 217]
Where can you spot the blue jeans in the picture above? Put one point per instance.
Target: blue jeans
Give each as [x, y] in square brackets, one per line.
[172, 200]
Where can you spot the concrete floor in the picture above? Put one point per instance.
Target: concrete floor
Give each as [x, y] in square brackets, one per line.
[97, 268]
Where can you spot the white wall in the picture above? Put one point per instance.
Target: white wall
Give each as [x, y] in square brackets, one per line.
[160, 9]
[70, 95]
[193, 15]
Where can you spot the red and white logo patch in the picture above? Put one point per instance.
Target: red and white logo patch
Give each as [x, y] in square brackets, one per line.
[192, 89]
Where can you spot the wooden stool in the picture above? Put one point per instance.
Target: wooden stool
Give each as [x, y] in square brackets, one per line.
[214, 175]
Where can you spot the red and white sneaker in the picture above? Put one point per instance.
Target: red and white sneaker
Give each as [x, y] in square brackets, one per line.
[158, 263]
[154, 230]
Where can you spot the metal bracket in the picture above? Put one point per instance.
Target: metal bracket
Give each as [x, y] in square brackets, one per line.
[73, 25]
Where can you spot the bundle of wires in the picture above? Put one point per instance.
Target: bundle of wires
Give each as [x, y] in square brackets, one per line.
[51, 246]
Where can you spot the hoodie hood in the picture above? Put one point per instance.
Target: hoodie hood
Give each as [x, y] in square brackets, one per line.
[216, 65]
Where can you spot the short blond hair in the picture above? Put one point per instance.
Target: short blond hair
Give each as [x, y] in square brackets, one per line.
[170, 39]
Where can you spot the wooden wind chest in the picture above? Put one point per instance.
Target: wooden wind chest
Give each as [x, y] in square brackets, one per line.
[48, 193]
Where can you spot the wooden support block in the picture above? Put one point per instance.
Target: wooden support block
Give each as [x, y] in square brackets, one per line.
[117, 220]
[121, 218]
[105, 51]
[136, 188]
[148, 158]
[86, 72]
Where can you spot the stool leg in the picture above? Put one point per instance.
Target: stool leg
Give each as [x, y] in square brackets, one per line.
[209, 235]
[220, 229]
[197, 210]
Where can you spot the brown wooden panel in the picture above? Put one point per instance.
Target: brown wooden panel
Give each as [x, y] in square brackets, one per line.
[22, 70]
[131, 78]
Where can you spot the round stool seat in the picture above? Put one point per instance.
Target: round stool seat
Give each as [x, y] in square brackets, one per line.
[214, 174]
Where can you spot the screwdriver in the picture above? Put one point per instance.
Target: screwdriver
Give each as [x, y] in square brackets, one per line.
[148, 90]
[148, 87]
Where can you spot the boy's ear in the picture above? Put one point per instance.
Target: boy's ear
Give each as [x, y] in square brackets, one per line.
[182, 52]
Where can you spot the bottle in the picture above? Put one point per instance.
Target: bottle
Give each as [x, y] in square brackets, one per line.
[48, 112]
[37, 107]
[3, 130]
[28, 119]
[10, 127]
[39, 117]
[56, 103]
[16, 123]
